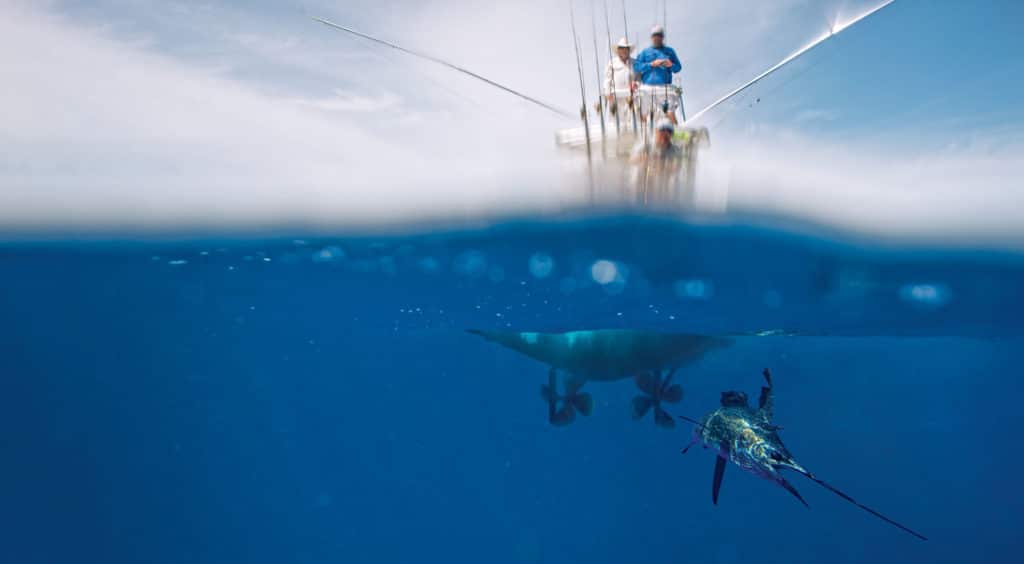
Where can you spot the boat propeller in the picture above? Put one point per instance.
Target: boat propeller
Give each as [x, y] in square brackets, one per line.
[655, 391]
[562, 408]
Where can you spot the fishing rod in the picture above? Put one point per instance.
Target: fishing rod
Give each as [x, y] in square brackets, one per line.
[832, 32]
[682, 106]
[583, 95]
[614, 109]
[625, 20]
[452, 66]
[664, 25]
[664, 13]
[597, 68]
[631, 101]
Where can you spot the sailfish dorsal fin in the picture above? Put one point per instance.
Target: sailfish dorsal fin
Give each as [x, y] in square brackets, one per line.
[766, 402]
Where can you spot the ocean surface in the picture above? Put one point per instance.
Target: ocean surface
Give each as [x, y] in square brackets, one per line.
[315, 399]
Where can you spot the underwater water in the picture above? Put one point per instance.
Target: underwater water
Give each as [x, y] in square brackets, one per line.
[319, 400]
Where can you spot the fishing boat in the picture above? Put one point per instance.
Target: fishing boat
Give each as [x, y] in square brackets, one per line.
[615, 137]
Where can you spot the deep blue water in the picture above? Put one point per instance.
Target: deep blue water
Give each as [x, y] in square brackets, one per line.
[317, 400]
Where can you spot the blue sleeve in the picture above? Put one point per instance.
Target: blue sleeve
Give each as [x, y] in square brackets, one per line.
[642, 63]
[676, 65]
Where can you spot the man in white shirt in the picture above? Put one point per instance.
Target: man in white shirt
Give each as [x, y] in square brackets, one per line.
[619, 76]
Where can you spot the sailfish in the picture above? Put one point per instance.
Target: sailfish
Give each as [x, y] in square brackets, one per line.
[748, 438]
[650, 358]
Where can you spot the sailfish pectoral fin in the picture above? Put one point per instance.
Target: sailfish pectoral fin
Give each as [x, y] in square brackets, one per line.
[716, 486]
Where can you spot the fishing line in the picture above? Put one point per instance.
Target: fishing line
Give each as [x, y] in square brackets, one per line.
[688, 420]
[836, 491]
[442, 62]
[730, 111]
[832, 32]
[388, 57]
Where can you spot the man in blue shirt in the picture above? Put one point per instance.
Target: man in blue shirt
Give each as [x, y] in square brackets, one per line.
[657, 63]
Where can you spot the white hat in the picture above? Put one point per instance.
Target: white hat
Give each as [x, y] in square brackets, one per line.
[658, 30]
[624, 43]
[665, 124]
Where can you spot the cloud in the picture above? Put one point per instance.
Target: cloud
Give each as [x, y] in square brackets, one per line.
[101, 132]
[964, 194]
[168, 113]
[344, 101]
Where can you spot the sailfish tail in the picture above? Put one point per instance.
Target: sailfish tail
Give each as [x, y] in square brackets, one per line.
[838, 492]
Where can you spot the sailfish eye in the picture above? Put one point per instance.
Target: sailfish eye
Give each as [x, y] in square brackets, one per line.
[776, 456]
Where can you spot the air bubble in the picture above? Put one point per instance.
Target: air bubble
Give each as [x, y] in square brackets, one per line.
[430, 265]
[693, 289]
[604, 272]
[541, 265]
[471, 263]
[926, 295]
[328, 254]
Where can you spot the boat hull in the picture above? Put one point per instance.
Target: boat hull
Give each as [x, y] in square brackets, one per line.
[611, 354]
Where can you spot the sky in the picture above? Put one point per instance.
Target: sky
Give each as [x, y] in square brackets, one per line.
[144, 113]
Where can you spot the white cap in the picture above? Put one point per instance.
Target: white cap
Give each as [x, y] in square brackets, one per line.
[624, 43]
[658, 30]
[665, 124]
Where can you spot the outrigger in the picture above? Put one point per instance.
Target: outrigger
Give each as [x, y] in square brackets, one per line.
[636, 113]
